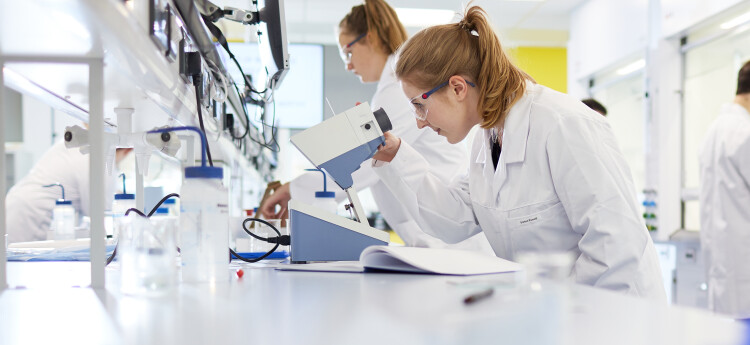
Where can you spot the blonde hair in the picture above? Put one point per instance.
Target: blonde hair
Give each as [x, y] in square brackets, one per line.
[380, 21]
[468, 48]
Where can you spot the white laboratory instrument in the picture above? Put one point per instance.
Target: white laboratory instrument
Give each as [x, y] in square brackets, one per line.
[337, 145]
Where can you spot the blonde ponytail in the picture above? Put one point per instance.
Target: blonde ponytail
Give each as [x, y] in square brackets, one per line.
[468, 48]
[379, 21]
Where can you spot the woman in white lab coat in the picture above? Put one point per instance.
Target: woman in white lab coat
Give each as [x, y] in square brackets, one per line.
[29, 205]
[725, 204]
[368, 37]
[545, 173]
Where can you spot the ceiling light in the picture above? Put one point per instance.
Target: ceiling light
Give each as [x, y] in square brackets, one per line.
[635, 66]
[736, 21]
[423, 16]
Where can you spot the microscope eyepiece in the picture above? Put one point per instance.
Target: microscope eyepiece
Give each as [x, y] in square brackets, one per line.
[383, 121]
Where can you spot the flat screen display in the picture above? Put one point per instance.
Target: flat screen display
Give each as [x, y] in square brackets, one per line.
[299, 100]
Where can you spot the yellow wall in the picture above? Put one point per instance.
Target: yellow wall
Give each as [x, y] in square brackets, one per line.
[548, 66]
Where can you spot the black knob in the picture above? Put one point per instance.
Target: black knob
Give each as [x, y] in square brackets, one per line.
[383, 121]
[367, 126]
[68, 136]
[165, 137]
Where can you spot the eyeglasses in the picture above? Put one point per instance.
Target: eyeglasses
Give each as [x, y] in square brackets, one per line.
[420, 109]
[346, 52]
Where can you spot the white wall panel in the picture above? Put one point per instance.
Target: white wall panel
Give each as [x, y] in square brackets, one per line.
[603, 33]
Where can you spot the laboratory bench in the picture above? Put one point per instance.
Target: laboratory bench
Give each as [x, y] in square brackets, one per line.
[50, 302]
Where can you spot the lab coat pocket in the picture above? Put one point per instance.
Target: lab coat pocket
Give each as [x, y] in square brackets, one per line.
[542, 226]
[530, 214]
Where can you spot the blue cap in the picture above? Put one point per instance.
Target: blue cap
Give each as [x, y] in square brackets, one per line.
[204, 172]
[170, 201]
[63, 202]
[162, 210]
[325, 194]
[124, 196]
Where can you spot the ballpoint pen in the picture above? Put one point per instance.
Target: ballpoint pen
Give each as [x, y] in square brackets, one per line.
[479, 296]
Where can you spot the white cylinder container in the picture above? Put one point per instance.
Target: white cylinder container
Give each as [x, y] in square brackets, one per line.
[122, 203]
[204, 226]
[63, 221]
[326, 201]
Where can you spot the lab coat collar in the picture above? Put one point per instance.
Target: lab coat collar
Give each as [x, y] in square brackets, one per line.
[388, 75]
[515, 132]
[734, 108]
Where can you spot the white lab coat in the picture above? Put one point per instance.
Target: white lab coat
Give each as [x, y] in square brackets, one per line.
[29, 205]
[725, 211]
[561, 184]
[446, 161]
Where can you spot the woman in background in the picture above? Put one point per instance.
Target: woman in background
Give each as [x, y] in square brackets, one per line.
[368, 36]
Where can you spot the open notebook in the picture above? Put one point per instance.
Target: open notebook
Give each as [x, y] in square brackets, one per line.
[415, 260]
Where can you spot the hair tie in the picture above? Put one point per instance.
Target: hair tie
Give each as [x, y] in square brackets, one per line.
[463, 24]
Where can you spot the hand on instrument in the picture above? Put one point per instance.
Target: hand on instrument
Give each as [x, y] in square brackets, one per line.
[387, 151]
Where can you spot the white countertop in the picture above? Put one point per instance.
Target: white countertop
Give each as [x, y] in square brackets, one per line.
[279, 307]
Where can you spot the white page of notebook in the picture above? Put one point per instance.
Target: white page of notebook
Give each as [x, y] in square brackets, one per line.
[433, 260]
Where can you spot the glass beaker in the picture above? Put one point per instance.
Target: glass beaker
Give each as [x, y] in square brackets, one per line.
[552, 265]
[147, 254]
[265, 231]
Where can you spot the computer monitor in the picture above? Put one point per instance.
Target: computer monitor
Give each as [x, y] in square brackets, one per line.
[274, 51]
[299, 104]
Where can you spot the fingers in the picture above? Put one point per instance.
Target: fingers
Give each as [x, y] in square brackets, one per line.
[279, 197]
[267, 210]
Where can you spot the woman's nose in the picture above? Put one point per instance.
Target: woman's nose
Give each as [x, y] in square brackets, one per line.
[349, 66]
[421, 124]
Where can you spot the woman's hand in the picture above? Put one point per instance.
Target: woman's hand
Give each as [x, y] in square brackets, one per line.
[387, 151]
[280, 197]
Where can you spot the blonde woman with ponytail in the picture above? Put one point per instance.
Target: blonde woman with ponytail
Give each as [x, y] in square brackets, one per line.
[368, 37]
[545, 175]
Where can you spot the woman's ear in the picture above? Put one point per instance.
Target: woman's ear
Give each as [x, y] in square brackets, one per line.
[458, 87]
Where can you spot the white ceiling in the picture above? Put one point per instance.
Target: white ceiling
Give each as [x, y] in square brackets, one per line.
[519, 22]
[315, 20]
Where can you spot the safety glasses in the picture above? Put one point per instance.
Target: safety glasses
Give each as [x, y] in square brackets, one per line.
[346, 52]
[420, 108]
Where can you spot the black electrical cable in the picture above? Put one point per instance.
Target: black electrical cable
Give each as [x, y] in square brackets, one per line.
[274, 128]
[135, 210]
[244, 112]
[280, 240]
[114, 252]
[283, 240]
[219, 35]
[170, 195]
[200, 119]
